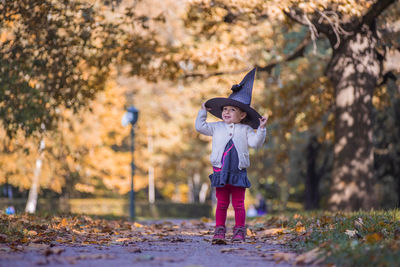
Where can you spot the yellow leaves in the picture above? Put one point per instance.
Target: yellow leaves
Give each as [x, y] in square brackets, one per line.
[84, 188]
[273, 231]
[250, 233]
[206, 220]
[299, 117]
[220, 12]
[300, 227]
[137, 225]
[125, 239]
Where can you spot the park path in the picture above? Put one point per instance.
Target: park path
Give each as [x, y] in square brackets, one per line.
[162, 243]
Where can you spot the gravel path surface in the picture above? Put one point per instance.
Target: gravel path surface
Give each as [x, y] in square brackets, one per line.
[160, 243]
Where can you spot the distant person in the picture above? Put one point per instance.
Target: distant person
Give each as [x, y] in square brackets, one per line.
[252, 212]
[231, 139]
[262, 205]
[10, 210]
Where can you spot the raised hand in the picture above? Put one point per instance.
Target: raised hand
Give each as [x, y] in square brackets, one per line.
[203, 106]
[263, 121]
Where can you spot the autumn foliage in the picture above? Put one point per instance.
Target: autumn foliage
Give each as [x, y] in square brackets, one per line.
[71, 69]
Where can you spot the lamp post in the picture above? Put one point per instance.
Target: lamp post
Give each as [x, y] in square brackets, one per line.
[131, 117]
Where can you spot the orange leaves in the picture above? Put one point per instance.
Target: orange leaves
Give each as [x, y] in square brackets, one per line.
[373, 238]
[63, 222]
[300, 228]
[138, 225]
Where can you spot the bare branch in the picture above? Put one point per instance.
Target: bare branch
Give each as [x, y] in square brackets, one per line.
[298, 52]
[375, 10]
[313, 31]
[316, 23]
[299, 18]
[212, 74]
[333, 19]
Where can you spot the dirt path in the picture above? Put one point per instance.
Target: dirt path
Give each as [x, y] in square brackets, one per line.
[164, 243]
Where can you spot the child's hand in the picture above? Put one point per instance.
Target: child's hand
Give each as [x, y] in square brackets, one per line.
[263, 121]
[203, 106]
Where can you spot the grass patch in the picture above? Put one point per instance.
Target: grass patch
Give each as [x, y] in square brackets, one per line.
[345, 239]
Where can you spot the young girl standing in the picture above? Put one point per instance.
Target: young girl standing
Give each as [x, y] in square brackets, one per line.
[231, 139]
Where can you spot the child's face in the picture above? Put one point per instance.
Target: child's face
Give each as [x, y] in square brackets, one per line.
[232, 114]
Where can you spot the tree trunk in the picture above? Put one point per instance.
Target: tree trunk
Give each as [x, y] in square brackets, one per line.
[33, 192]
[354, 70]
[312, 178]
[394, 94]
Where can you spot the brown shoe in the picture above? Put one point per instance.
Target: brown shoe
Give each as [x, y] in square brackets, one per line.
[239, 234]
[219, 235]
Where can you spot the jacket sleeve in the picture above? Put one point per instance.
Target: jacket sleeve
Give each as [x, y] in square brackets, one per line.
[257, 138]
[201, 125]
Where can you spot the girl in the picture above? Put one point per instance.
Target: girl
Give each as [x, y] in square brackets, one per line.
[231, 138]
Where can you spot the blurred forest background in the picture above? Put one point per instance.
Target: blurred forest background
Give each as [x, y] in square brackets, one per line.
[327, 77]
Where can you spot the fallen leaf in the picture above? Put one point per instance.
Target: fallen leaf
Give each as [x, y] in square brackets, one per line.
[3, 238]
[297, 216]
[273, 231]
[144, 258]
[206, 220]
[24, 240]
[282, 256]
[250, 233]
[373, 238]
[176, 240]
[308, 257]
[55, 251]
[351, 233]
[300, 227]
[44, 261]
[5, 249]
[31, 233]
[137, 225]
[219, 242]
[224, 250]
[38, 246]
[359, 224]
[168, 259]
[134, 250]
[123, 239]
[64, 222]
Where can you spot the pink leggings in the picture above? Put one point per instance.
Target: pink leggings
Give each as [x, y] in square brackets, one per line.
[223, 194]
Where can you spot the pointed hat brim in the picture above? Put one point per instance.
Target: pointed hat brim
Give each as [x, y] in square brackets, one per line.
[215, 106]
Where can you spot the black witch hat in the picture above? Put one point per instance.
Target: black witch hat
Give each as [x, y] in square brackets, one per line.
[241, 98]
